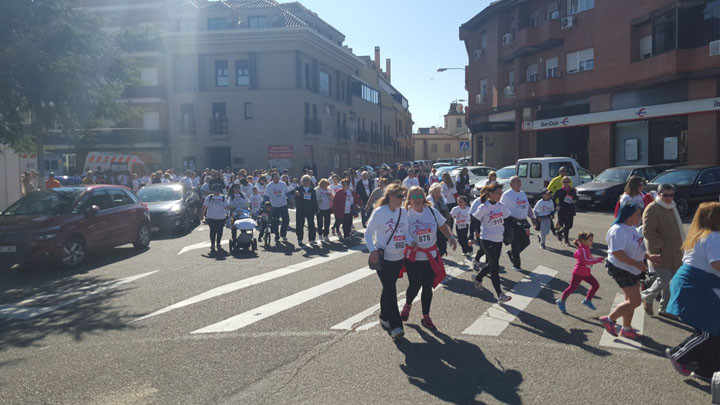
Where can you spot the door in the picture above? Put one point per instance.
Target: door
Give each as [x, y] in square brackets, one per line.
[218, 157]
[98, 232]
[124, 218]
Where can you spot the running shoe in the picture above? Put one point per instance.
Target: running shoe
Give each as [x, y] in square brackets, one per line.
[300, 243]
[630, 333]
[405, 313]
[517, 268]
[326, 238]
[397, 333]
[700, 377]
[676, 365]
[503, 298]
[385, 324]
[428, 323]
[589, 304]
[609, 325]
[542, 246]
[478, 283]
[561, 306]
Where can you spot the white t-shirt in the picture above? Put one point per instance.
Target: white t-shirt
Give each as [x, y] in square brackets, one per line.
[216, 206]
[628, 239]
[475, 205]
[492, 220]
[334, 188]
[381, 225]
[277, 194]
[324, 198]
[247, 190]
[348, 201]
[448, 194]
[544, 208]
[638, 199]
[423, 228]
[704, 253]
[237, 201]
[517, 202]
[366, 186]
[261, 188]
[187, 181]
[410, 182]
[462, 216]
[255, 203]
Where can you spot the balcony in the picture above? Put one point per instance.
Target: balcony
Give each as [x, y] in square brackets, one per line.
[363, 136]
[157, 91]
[530, 40]
[218, 126]
[111, 137]
[313, 127]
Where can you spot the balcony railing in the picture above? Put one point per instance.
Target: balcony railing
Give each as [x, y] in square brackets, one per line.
[218, 126]
[342, 132]
[313, 127]
[375, 139]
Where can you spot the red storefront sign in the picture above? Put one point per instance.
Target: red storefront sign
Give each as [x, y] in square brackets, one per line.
[280, 152]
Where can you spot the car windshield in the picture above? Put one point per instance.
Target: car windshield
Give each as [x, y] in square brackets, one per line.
[613, 176]
[676, 177]
[157, 194]
[47, 202]
[506, 172]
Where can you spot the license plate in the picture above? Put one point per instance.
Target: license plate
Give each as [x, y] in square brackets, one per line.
[8, 249]
[155, 229]
[584, 197]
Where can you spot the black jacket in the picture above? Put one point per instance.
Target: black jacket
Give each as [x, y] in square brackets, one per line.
[463, 185]
[566, 208]
[304, 206]
[360, 189]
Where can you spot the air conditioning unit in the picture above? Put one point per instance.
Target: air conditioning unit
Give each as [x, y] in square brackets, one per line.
[479, 54]
[567, 22]
[510, 91]
[715, 48]
[508, 39]
[480, 98]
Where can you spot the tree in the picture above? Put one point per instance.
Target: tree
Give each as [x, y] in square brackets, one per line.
[58, 68]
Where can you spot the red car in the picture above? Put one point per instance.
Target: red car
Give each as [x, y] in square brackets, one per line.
[65, 224]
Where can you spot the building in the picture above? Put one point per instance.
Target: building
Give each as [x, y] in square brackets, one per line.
[450, 141]
[608, 83]
[254, 84]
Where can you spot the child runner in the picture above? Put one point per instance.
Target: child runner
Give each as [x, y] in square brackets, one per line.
[474, 232]
[461, 214]
[544, 210]
[255, 202]
[581, 271]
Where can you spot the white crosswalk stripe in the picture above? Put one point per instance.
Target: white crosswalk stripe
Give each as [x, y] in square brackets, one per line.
[619, 342]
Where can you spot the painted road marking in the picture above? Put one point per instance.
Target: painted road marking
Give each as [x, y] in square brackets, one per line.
[261, 278]
[348, 324]
[265, 311]
[620, 342]
[498, 317]
[23, 311]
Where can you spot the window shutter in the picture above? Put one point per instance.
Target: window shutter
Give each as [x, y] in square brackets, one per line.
[572, 62]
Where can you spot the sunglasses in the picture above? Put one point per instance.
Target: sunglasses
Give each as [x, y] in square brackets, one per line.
[400, 196]
[417, 196]
[566, 182]
[667, 195]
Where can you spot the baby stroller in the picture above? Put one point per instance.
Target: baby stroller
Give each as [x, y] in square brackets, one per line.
[241, 221]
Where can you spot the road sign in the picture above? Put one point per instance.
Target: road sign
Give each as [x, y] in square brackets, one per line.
[464, 145]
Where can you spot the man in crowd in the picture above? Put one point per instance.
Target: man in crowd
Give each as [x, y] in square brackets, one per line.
[364, 188]
[556, 183]
[277, 193]
[517, 202]
[51, 182]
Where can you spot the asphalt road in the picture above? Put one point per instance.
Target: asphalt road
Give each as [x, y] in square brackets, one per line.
[172, 326]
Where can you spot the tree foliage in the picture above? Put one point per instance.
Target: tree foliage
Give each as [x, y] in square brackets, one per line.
[59, 66]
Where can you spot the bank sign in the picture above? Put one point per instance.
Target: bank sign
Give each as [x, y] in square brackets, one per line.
[627, 114]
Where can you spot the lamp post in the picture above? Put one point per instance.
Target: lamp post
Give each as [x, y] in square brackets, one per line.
[452, 68]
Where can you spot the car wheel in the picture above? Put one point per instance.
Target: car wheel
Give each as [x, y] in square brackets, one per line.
[186, 223]
[73, 253]
[683, 206]
[142, 240]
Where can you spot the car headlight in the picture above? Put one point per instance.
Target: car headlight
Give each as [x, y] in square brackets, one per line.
[47, 233]
[601, 192]
[47, 236]
[175, 209]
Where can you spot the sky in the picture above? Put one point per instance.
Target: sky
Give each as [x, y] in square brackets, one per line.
[419, 36]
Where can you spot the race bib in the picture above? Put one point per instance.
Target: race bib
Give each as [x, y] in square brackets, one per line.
[277, 193]
[462, 225]
[496, 219]
[399, 242]
[568, 199]
[306, 196]
[424, 235]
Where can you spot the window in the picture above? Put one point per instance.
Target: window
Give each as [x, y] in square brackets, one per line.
[646, 46]
[578, 6]
[324, 83]
[151, 120]
[532, 73]
[447, 148]
[187, 118]
[553, 13]
[185, 77]
[708, 177]
[533, 19]
[522, 170]
[219, 119]
[698, 25]
[483, 88]
[248, 111]
[551, 67]
[664, 33]
[433, 148]
[536, 170]
[369, 94]
[221, 73]
[186, 25]
[584, 175]
[580, 61]
[307, 111]
[554, 168]
[216, 24]
[148, 76]
[120, 197]
[511, 77]
[242, 72]
[101, 198]
[458, 122]
[483, 40]
[257, 22]
[307, 76]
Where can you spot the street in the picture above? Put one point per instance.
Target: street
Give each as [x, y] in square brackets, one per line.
[171, 325]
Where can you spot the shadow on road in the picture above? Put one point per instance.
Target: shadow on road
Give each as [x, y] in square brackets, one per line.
[456, 371]
[548, 330]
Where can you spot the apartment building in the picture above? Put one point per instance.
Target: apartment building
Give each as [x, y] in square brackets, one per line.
[609, 83]
[255, 84]
[452, 140]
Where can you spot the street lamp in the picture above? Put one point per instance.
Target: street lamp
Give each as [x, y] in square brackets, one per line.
[444, 69]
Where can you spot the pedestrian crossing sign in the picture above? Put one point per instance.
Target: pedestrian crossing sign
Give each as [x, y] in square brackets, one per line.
[464, 145]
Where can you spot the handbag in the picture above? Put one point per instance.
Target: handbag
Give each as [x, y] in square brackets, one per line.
[381, 252]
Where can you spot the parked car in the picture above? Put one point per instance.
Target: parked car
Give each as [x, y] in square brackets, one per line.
[172, 206]
[693, 185]
[439, 165]
[442, 170]
[448, 161]
[503, 178]
[536, 173]
[477, 174]
[69, 180]
[605, 189]
[66, 224]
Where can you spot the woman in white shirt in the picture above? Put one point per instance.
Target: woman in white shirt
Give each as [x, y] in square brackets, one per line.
[424, 263]
[626, 264]
[215, 214]
[387, 232]
[491, 214]
[449, 191]
[324, 200]
[633, 192]
[695, 295]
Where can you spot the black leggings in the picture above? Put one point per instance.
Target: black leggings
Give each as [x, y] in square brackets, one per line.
[420, 275]
[347, 225]
[492, 251]
[462, 234]
[323, 222]
[565, 219]
[216, 231]
[388, 275]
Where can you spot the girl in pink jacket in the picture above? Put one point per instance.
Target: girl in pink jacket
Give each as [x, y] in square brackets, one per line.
[581, 272]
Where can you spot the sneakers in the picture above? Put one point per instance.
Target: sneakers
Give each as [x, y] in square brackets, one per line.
[561, 306]
[609, 325]
[428, 323]
[503, 298]
[648, 307]
[405, 313]
[477, 265]
[478, 283]
[313, 242]
[277, 240]
[397, 333]
[589, 304]
[542, 246]
[517, 268]
[676, 365]
[300, 243]
[385, 324]
[285, 239]
[630, 333]
[701, 377]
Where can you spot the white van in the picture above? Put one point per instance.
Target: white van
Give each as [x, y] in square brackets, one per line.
[536, 173]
